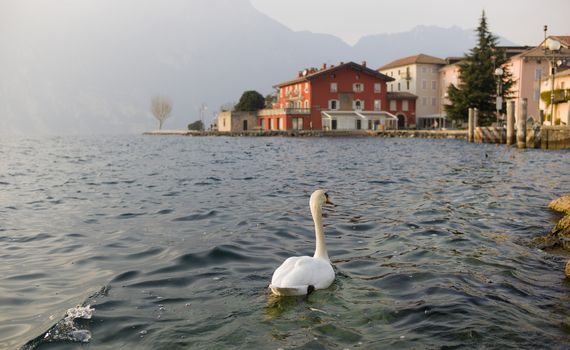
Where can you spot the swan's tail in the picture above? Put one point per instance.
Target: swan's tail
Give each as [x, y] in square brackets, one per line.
[290, 291]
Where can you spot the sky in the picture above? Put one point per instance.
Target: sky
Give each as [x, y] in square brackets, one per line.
[520, 21]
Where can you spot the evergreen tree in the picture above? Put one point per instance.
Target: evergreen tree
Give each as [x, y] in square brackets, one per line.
[250, 101]
[478, 83]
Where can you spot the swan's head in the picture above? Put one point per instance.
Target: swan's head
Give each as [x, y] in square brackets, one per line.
[319, 198]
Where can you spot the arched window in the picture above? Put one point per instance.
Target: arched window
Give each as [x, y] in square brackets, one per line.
[306, 104]
[358, 105]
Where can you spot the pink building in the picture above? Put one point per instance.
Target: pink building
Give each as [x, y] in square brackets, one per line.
[527, 66]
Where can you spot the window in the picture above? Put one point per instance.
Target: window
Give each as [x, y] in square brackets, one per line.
[399, 87]
[393, 105]
[297, 123]
[538, 73]
[424, 101]
[333, 87]
[391, 87]
[357, 87]
[404, 105]
[433, 101]
[358, 105]
[306, 104]
[407, 85]
[433, 85]
[424, 69]
[377, 87]
[536, 94]
[377, 105]
[424, 84]
[434, 69]
[333, 124]
[333, 104]
[369, 124]
[358, 124]
[282, 92]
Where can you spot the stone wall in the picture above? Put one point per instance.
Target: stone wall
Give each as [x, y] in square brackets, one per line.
[555, 137]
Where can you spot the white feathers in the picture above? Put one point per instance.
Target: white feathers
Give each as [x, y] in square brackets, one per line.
[298, 275]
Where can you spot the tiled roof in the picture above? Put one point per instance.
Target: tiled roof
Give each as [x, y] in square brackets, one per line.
[317, 73]
[564, 39]
[406, 61]
[400, 95]
[538, 52]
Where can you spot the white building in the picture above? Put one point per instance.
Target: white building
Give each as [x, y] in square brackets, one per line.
[418, 75]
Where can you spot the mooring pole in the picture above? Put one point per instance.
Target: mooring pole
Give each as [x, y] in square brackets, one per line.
[470, 126]
[521, 127]
[510, 122]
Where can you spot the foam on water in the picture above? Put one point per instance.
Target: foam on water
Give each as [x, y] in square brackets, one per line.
[67, 328]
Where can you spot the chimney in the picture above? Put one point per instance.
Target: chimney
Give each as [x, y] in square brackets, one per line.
[300, 74]
[324, 66]
[364, 64]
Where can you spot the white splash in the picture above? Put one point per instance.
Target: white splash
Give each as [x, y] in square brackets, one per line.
[66, 329]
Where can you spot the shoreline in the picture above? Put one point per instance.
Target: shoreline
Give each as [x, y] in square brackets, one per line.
[432, 134]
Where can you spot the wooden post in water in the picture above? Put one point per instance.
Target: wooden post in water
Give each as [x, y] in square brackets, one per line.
[521, 125]
[510, 122]
[475, 119]
[470, 126]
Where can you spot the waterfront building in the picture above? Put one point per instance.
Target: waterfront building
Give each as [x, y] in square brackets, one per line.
[561, 96]
[236, 121]
[558, 78]
[348, 96]
[418, 75]
[448, 75]
[526, 64]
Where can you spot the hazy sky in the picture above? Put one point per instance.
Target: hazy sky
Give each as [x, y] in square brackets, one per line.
[520, 21]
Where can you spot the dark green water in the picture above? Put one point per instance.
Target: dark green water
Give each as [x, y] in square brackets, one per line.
[173, 242]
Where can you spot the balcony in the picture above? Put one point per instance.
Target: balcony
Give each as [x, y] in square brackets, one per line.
[283, 111]
[293, 95]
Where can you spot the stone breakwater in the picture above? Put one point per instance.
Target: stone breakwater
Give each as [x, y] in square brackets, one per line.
[430, 134]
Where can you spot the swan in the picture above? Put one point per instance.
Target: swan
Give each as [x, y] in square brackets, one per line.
[300, 275]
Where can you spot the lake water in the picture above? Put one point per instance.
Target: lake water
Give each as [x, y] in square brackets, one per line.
[173, 241]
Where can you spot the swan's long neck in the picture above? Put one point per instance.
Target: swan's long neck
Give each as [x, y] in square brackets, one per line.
[321, 247]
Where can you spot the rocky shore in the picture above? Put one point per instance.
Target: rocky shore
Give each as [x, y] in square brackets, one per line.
[559, 237]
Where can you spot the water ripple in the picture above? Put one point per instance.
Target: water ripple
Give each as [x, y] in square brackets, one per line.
[430, 251]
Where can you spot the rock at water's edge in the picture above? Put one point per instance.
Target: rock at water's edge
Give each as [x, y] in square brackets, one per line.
[561, 204]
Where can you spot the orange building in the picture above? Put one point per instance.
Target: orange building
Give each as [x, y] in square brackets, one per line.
[348, 96]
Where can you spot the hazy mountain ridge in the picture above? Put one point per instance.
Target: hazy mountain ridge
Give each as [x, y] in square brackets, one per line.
[93, 67]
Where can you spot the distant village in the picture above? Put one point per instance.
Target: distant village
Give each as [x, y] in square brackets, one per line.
[407, 93]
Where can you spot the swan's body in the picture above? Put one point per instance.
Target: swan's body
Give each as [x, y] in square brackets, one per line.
[302, 274]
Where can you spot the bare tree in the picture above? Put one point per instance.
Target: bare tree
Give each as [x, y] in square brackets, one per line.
[161, 107]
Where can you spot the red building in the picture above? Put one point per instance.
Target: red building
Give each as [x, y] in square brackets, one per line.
[349, 96]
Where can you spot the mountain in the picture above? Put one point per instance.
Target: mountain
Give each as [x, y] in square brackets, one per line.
[92, 66]
[431, 40]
